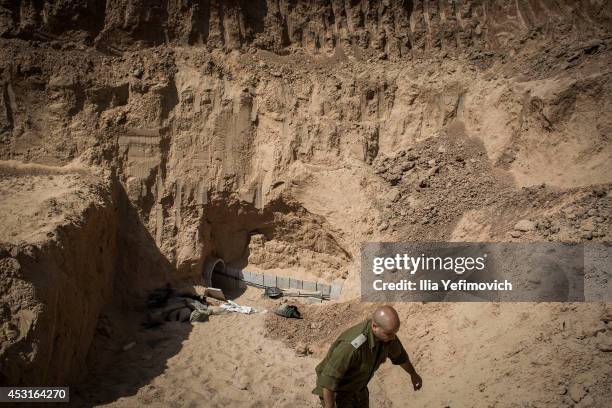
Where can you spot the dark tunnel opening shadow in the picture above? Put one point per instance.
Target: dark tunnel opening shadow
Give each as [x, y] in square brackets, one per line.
[232, 287]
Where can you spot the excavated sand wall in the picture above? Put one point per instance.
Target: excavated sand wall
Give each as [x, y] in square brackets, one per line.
[396, 28]
[282, 134]
[219, 132]
[232, 120]
[52, 291]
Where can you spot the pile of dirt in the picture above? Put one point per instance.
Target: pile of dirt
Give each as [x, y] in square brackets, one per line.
[439, 184]
[318, 327]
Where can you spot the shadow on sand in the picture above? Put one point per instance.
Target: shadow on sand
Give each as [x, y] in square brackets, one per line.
[125, 356]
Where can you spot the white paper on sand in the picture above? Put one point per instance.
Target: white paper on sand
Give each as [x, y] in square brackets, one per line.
[235, 307]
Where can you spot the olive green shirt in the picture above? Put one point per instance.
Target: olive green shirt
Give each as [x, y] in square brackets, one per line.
[352, 359]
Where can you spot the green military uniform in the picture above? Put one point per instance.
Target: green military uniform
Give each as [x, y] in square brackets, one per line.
[351, 362]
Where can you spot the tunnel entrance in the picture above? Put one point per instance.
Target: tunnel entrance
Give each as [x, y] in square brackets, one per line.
[217, 275]
[212, 266]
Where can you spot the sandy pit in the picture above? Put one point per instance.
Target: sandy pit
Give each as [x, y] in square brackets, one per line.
[141, 144]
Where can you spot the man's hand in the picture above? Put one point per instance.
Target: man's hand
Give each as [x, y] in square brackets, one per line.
[417, 381]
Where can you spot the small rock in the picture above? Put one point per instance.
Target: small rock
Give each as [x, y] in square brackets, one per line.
[394, 177]
[577, 392]
[587, 225]
[303, 349]
[407, 166]
[587, 379]
[424, 183]
[562, 390]
[393, 195]
[515, 234]
[433, 170]
[129, 346]
[159, 87]
[592, 212]
[525, 225]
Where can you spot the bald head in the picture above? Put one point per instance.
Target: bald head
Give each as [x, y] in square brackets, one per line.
[386, 318]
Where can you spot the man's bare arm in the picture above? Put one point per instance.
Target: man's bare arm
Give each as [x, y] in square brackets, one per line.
[417, 381]
[408, 367]
[328, 398]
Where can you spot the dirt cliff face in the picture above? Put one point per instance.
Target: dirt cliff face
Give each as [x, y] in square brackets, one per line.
[396, 28]
[267, 91]
[282, 134]
[58, 257]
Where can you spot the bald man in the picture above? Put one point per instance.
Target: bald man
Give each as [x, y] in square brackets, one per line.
[350, 363]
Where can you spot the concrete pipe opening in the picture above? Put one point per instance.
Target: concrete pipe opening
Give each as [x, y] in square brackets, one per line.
[213, 266]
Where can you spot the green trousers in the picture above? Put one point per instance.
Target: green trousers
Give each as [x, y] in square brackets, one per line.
[357, 399]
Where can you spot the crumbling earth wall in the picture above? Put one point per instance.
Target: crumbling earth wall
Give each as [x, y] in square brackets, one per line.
[395, 28]
[204, 105]
[58, 255]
